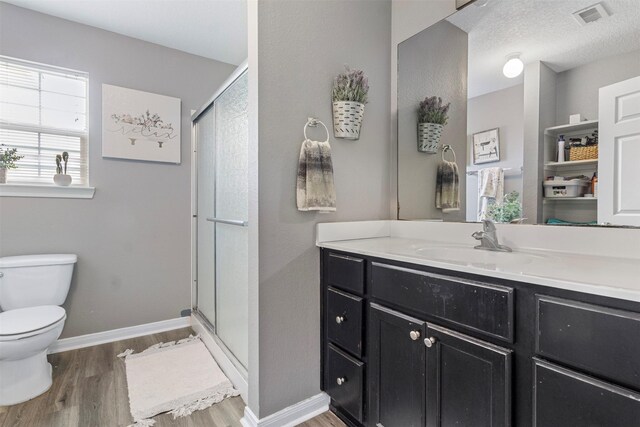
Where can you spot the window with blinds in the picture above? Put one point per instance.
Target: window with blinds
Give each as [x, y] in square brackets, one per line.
[43, 112]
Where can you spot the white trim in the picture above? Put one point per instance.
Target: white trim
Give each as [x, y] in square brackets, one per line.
[237, 377]
[90, 340]
[53, 191]
[291, 415]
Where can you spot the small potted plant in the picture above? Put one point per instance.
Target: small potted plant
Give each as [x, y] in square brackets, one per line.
[349, 94]
[432, 116]
[8, 159]
[61, 178]
[509, 210]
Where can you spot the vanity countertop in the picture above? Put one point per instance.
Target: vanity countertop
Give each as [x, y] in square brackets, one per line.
[607, 276]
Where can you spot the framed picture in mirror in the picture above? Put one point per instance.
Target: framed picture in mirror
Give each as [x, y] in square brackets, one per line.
[486, 146]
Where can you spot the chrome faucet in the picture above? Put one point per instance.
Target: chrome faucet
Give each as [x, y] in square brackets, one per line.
[488, 238]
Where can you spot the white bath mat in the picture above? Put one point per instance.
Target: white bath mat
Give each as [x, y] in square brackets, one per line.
[173, 377]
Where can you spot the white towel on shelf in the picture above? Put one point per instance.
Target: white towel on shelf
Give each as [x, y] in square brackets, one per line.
[490, 189]
[315, 190]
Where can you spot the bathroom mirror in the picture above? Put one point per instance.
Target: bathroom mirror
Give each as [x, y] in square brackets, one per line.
[540, 109]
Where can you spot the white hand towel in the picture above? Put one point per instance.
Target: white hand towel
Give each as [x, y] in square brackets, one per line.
[490, 189]
[315, 190]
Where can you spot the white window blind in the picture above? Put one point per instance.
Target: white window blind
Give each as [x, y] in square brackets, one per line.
[43, 112]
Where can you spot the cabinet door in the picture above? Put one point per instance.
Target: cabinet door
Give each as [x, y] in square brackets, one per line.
[570, 399]
[468, 381]
[396, 378]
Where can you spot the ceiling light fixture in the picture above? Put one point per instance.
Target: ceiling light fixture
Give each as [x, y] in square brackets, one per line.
[513, 67]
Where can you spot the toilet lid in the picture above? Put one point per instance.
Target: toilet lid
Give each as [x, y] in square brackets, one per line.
[23, 320]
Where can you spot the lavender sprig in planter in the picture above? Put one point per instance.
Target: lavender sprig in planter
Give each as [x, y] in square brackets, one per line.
[349, 94]
[432, 116]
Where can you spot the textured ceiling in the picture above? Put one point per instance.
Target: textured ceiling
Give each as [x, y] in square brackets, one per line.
[215, 29]
[542, 30]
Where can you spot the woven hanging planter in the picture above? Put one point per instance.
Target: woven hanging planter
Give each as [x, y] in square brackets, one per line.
[429, 137]
[347, 119]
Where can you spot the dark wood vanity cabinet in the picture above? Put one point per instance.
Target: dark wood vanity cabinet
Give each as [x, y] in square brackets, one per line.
[468, 381]
[396, 368]
[407, 345]
[422, 373]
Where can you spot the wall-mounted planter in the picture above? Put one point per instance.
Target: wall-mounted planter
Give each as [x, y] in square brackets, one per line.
[3, 175]
[429, 137]
[347, 119]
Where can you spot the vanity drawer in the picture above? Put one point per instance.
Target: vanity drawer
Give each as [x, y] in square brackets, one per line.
[346, 272]
[570, 399]
[473, 305]
[343, 381]
[599, 340]
[344, 320]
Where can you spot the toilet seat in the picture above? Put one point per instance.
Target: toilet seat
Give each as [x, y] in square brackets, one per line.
[26, 322]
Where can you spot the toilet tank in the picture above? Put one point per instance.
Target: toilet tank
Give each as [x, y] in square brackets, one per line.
[31, 280]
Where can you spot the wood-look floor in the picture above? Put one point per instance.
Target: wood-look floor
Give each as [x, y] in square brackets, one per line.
[90, 390]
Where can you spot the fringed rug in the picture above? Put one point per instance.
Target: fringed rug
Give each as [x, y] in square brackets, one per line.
[176, 377]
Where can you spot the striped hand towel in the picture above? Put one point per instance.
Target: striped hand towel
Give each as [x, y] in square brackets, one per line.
[448, 187]
[314, 185]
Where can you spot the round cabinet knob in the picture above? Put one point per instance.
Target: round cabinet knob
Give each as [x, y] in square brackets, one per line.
[429, 342]
[414, 335]
[339, 319]
[341, 380]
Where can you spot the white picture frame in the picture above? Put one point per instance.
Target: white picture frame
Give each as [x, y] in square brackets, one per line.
[139, 125]
[486, 146]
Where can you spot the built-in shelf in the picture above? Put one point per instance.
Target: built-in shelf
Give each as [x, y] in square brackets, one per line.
[570, 199]
[565, 129]
[571, 163]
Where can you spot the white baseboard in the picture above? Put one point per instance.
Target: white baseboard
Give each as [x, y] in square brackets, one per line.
[237, 377]
[290, 416]
[89, 340]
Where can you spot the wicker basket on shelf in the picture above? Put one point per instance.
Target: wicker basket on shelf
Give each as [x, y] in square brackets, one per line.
[589, 152]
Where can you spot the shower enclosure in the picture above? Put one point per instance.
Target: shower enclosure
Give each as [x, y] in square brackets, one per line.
[220, 226]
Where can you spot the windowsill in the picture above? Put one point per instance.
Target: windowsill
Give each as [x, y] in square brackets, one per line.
[51, 191]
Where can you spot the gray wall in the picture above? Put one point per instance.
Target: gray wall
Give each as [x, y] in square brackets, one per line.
[301, 47]
[577, 89]
[503, 109]
[133, 237]
[539, 113]
[431, 63]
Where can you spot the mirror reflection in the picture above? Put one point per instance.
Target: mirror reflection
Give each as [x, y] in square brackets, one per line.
[522, 111]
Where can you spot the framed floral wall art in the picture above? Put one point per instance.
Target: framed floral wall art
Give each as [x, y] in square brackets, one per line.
[140, 125]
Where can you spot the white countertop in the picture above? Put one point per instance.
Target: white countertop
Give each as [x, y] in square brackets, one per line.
[607, 276]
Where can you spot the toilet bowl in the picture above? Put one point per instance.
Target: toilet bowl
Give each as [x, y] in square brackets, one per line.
[25, 336]
[31, 289]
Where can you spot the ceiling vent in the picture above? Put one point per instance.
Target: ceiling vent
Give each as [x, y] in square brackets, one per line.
[590, 14]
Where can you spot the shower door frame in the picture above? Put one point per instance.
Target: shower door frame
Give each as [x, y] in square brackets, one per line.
[231, 366]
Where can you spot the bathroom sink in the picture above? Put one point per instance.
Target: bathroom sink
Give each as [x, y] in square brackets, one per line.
[468, 255]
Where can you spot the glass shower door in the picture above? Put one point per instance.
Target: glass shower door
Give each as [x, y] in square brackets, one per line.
[231, 211]
[205, 244]
[222, 200]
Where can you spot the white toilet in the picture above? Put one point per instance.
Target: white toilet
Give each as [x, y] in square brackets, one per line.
[32, 288]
